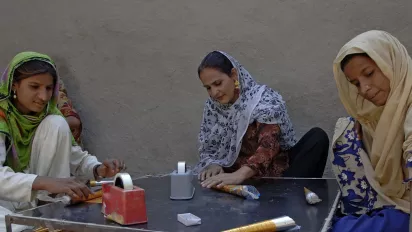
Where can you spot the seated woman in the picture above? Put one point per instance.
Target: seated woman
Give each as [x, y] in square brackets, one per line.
[37, 150]
[246, 131]
[372, 148]
[65, 106]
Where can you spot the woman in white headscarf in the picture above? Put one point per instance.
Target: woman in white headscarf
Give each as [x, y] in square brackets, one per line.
[372, 148]
[246, 131]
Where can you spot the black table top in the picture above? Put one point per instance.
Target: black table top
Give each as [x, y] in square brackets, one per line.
[218, 211]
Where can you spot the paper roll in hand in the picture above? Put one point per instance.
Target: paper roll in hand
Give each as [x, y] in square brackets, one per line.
[92, 196]
[246, 191]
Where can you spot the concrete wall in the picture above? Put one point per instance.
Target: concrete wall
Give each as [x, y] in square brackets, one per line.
[130, 66]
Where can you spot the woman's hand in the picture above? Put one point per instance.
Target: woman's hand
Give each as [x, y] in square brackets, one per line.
[223, 179]
[358, 129]
[110, 168]
[70, 186]
[210, 171]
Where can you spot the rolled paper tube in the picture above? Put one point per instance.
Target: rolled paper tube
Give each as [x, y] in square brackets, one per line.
[42, 229]
[94, 183]
[122, 180]
[246, 191]
[311, 197]
[277, 224]
[90, 197]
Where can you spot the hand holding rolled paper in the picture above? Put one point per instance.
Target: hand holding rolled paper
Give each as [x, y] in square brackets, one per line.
[246, 191]
[223, 179]
[92, 196]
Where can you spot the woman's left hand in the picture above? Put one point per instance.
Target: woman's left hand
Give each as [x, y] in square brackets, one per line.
[223, 179]
[110, 167]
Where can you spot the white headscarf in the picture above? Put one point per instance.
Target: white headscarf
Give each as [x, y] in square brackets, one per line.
[224, 126]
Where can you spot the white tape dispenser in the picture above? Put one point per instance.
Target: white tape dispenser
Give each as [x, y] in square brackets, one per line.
[181, 186]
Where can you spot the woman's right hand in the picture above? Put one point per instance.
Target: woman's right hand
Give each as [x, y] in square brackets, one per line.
[210, 171]
[358, 129]
[70, 186]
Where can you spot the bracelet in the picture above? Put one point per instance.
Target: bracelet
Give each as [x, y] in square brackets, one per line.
[96, 175]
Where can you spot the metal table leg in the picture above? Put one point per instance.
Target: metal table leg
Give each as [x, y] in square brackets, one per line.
[8, 223]
[410, 206]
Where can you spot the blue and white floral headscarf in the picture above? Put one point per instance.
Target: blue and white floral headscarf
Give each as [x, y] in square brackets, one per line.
[223, 126]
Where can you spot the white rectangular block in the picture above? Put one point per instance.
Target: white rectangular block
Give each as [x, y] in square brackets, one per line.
[189, 219]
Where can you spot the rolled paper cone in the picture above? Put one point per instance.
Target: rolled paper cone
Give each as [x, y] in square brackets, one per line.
[246, 191]
[306, 191]
[311, 197]
[277, 224]
[234, 189]
[94, 183]
[42, 229]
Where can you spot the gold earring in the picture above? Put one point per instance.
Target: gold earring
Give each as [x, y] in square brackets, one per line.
[14, 95]
[237, 84]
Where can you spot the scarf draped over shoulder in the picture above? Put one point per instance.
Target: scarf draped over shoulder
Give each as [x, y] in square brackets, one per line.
[223, 126]
[383, 127]
[18, 128]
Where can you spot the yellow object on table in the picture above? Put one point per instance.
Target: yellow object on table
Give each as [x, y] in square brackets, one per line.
[311, 197]
[246, 191]
[273, 225]
[42, 229]
[95, 197]
[96, 200]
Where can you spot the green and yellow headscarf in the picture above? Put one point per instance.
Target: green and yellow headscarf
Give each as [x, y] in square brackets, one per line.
[19, 128]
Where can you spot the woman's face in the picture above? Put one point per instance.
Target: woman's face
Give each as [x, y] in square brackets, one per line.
[372, 84]
[219, 85]
[33, 93]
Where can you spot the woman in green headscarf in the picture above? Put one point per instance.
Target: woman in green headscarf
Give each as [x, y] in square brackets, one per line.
[37, 150]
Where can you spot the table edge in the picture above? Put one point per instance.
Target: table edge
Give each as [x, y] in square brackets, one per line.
[45, 222]
[328, 219]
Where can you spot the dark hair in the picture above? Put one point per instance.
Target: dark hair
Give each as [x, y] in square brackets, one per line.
[217, 61]
[34, 67]
[347, 58]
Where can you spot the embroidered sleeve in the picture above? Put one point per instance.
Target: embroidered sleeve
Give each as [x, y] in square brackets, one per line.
[65, 104]
[268, 148]
[407, 145]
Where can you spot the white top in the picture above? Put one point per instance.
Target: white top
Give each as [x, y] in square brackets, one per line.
[17, 187]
